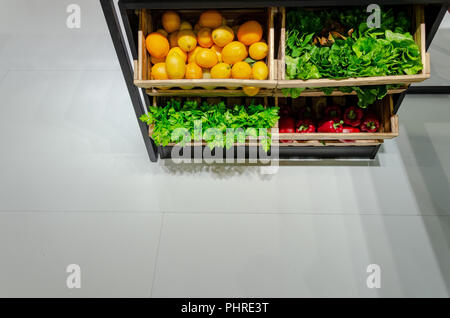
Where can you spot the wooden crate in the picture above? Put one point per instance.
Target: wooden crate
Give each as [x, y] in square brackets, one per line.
[150, 21]
[419, 37]
[388, 129]
[160, 100]
[383, 108]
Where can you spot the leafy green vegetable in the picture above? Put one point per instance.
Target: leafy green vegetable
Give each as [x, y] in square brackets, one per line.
[221, 126]
[351, 48]
[367, 95]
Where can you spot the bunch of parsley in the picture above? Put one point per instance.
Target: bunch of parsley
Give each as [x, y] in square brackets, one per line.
[190, 114]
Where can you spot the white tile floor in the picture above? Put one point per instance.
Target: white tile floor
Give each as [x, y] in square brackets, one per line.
[76, 186]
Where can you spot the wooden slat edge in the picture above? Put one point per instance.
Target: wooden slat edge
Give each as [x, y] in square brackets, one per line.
[140, 54]
[135, 70]
[282, 47]
[359, 81]
[206, 82]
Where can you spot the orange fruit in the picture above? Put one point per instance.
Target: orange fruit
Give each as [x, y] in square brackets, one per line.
[206, 58]
[258, 50]
[204, 38]
[250, 32]
[173, 39]
[241, 70]
[170, 21]
[260, 71]
[191, 54]
[157, 45]
[218, 51]
[222, 35]
[155, 60]
[179, 51]
[211, 19]
[187, 40]
[234, 52]
[250, 91]
[221, 70]
[175, 66]
[159, 71]
[193, 71]
[162, 32]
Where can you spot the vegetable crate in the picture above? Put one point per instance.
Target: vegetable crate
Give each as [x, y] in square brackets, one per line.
[418, 26]
[383, 110]
[150, 21]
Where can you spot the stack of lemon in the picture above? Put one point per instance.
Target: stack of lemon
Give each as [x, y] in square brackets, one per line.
[208, 50]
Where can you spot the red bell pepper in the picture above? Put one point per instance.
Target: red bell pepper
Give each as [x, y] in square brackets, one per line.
[286, 125]
[353, 116]
[349, 130]
[330, 126]
[305, 126]
[333, 112]
[370, 123]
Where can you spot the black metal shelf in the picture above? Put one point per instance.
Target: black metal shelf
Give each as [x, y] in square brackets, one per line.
[121, 37]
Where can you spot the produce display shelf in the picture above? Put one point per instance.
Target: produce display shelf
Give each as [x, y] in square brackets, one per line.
[418, 19]
[130, 20]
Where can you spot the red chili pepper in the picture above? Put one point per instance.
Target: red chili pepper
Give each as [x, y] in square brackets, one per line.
[286, 125]
[305, 126]
[330, 126]
[349, 130]
[370, 123]
[353, 116]
[333, 112]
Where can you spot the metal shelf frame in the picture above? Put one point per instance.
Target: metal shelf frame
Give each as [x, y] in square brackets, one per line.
[122, 25]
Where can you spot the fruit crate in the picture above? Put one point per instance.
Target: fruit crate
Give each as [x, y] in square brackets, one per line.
[150, 21]
[418, 25]
[384, 110]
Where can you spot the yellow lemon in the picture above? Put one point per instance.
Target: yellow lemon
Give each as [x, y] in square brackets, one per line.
[234, 52]
[187, 40]
[260, 71]
[179, 51]
[222, 35]
[221, 70]
[175, 66]
[250, 91]
[258, 50]
[185, 26]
